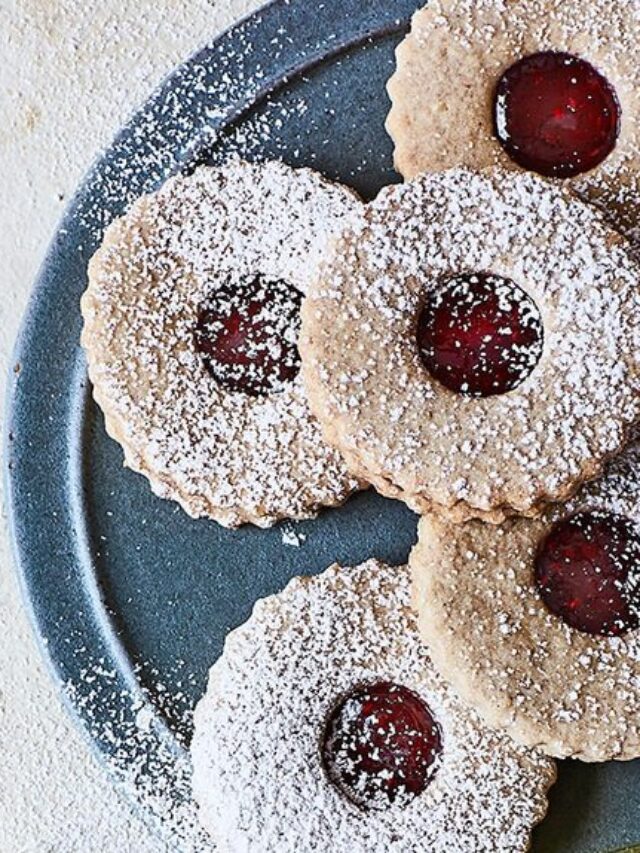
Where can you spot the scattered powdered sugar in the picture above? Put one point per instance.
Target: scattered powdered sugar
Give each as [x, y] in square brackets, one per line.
[181, 121]
[479, 335]
[146, 762]
[247, 334]
[573, 693]
[291, 536]
[258, 771]
[219, 453]
[401, 428]
[381, 745]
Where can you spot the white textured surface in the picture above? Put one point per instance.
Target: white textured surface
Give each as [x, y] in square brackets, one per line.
[70, 73]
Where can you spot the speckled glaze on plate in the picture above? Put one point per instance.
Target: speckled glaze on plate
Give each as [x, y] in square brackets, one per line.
[122, 586]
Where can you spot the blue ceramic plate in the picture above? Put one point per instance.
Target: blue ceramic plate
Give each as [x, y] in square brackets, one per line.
[130, 598]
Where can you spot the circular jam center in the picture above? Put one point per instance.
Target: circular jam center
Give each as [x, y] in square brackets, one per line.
[247, 335]
[380, 746]
[479, 334]
[588, 573]
[556, 115]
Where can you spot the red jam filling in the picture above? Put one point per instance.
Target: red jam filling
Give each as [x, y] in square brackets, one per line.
[380, 746]
[247, 335]
[556, 115]
[588, 573]
[479, 335]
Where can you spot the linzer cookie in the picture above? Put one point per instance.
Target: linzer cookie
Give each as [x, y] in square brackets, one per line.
[532, 84]
[472, 346]
[537, 623]
[325, 723]
[191, 325]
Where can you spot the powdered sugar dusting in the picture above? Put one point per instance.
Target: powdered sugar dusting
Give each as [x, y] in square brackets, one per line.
[144, 760]
[258, 772]
[292, 537]
[439, 450]
[218, 453]
[523, 667]
[202, 95]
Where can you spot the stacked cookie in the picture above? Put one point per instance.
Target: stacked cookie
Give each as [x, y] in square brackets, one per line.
[263, 344]
[191, 323]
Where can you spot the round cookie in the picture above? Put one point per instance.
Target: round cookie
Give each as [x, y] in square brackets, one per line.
[433, 248]
[535, 623]
[191, 319]
[444, 90]
[324, 719]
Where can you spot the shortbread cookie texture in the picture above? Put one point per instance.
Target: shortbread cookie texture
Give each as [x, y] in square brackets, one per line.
[472, 346]
[191, 323]
[525, 84]
[536, 623]
[324, 725]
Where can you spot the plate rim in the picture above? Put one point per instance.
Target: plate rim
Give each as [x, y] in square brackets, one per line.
[14, 437]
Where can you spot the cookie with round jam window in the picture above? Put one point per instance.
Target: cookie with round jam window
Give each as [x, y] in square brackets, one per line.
[537, 623]
[325, 726]
[191, 321]
[472, 347]
[539, 85]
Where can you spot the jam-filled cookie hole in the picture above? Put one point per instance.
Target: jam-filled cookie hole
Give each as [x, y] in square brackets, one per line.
[247, 335]
[479, 334]
[587, 571]
[555, 114]
[381, 746]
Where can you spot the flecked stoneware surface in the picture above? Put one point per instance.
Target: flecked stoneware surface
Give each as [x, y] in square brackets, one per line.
[131, 599]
